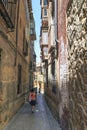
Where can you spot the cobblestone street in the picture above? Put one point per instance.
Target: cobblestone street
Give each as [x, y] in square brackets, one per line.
[41, 119]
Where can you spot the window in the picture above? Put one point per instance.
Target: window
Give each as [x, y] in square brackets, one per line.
[45, 2]
[45, 12]
[8, 10]
[45, 37]
[53, 63]
[30, 66]
[46, 73]
[19, 79]
[53, 68]
[45, 50]
[32, 31]
[25, 45]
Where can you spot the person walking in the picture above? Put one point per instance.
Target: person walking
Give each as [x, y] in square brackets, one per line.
[39, 89]
[32, 99]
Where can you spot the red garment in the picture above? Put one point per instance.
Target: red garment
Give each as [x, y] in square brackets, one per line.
[33, 96]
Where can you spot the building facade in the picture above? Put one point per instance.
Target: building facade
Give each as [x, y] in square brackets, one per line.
[39, 79]
[49, 61]
[44, 38]
[32, 51]
[65, 66]
[14, 56]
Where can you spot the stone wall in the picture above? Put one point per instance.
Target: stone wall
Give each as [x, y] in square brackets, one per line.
[52, 101]
[77, 58]
[10, 58]
[57, 92]
[8, 81]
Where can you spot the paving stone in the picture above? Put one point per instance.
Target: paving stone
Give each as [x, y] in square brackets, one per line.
[41, 119]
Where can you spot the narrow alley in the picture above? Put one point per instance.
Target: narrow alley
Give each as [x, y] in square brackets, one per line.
[41, 119]
[43, 46]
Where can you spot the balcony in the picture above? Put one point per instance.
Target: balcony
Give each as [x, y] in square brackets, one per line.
[32, 30]
[45, 24]
[32, 34]
[6, 10]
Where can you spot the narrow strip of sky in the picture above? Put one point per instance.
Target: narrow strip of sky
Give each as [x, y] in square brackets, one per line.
[37, 16]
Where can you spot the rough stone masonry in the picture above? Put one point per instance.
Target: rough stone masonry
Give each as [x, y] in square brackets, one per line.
[77, 57]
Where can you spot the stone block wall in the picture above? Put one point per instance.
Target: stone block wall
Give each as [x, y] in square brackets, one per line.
[77, 58]
[9, 79]
[52, 100]
[58, 102]
[10, 58]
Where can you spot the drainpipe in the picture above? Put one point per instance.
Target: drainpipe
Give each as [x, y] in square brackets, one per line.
[56, 19]
[56, 27]
[17, 32]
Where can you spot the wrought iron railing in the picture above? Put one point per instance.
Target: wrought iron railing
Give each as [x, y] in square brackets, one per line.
[7, 11]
